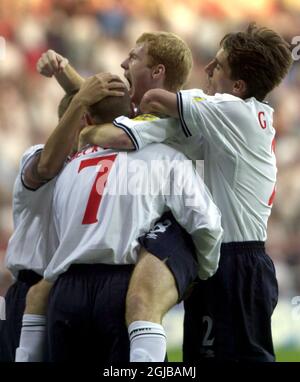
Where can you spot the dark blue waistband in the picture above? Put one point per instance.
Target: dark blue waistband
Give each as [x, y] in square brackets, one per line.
[29, 277]
[98, 267]
[243, 246]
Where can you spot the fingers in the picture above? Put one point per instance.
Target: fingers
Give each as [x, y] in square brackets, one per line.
[108, 77]
[52, 59]
[116, 85]
[95, 82]
[62, 63]
[47, 64]
[106, 81]
[43, 68]
[51, 63]
[97, 87]
[114, 93]
[114, 77]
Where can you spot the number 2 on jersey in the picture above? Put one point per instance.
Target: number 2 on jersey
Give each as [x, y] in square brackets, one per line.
[105, 164]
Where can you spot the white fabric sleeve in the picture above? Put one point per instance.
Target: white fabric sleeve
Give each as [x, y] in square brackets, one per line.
[24, 195]
[192, 206]
[218, 118]
[26, 158]
[29, 153]
[147, 129]
[19, 186]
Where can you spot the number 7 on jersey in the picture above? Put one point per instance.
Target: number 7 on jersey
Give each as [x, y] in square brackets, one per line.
[105, 164]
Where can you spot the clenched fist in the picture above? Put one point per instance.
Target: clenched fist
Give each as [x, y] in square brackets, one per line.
[51, 63]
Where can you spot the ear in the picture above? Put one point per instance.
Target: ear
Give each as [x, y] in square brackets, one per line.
[240, 88]
[158, 71]
[133, 110]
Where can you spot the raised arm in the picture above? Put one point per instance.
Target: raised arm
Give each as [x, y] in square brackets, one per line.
[106, 135]
[49, 162]
[159, 101]
[53, 64]
[155, 101]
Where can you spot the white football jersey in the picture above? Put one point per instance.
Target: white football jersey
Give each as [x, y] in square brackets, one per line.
[33, 240]
[236, 141]
[104, 200]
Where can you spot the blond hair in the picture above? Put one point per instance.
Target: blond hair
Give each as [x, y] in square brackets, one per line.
[170, 50]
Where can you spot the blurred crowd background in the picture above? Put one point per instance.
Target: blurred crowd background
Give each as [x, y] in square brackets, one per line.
[96, 35]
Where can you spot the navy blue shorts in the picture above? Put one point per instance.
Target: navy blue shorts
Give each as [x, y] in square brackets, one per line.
[15, 299]
[169, 242]
[228, 317]
[86, 314]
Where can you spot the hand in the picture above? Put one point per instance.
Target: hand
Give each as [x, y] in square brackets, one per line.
[97, 87]
[51, 63]
[83, 137]
[146, 106]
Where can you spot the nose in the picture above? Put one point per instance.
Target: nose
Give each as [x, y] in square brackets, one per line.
[124, 64]
[209, 68]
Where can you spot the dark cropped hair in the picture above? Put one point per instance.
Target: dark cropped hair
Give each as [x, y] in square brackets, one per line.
[104, 111]
[109, 108]
[259, 56]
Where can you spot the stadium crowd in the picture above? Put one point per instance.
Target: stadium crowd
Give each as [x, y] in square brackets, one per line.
[96, 35]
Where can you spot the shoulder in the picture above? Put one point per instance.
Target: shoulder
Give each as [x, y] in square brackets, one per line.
[224, 101]
[258, 105]
[140, 119]
[29, 153]
[146, 117]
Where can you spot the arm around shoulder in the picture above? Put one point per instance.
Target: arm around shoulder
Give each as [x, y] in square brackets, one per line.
[107, 136]
[159, 101]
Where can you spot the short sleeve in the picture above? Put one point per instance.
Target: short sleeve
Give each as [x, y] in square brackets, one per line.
[218, 118]
[146, 129]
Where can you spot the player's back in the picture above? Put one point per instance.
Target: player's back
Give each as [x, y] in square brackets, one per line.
[104, 200]
[238, 155]
[30, 246]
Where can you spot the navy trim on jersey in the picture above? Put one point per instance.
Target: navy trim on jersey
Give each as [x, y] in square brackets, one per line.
[185, 129]
[22, 172]
[27, 188]
[129, 133]
[150, 334]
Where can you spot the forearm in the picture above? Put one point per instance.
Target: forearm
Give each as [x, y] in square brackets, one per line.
[161, 102]
[107, 135]
[69, 79]
[60, 142]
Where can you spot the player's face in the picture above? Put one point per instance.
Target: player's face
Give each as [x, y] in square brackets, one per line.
[218, 75]
[137, 72]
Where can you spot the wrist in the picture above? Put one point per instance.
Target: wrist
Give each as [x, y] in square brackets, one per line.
[78, 102]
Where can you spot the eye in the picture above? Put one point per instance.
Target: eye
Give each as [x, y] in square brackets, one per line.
[132, 56]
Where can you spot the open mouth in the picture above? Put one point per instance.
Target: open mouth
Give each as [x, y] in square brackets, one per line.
[129, 84]
[128, 80]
